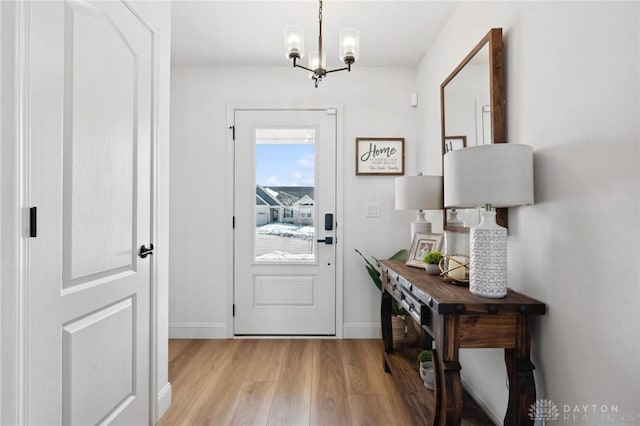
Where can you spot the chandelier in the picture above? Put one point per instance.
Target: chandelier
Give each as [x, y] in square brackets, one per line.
[294, 45]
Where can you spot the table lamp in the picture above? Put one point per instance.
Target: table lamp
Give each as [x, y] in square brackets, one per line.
[489, 176]
[419, 193]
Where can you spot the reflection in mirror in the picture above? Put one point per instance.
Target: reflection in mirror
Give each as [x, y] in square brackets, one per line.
[467, 107]
[472, 108]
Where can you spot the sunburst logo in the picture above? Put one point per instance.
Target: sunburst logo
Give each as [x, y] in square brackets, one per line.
[544, 409]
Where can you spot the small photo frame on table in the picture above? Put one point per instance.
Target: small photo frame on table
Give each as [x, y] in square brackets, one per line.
[421, 245]
[380, 156]
[451, 143]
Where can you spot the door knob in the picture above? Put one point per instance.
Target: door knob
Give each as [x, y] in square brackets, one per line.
[327, 240]
[144, 252]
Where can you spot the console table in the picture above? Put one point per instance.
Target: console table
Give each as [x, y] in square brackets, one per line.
[454, 318]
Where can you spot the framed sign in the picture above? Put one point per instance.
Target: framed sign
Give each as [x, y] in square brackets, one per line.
[380, 156]
[451, 143]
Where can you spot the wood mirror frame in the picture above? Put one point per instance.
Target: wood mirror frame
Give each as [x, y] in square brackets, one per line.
[493, 40]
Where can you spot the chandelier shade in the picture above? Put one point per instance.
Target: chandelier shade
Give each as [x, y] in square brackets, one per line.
[349, 45]
[294, 41]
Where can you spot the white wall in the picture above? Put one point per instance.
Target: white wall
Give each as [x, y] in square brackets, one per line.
[375, 103]
[572, 93]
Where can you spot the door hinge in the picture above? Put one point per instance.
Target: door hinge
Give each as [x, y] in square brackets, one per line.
[33, 222]
[332, 111]
[233, 132]
[233, 309]
[233, 222]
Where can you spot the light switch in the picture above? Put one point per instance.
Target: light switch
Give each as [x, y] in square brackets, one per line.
[373, 210]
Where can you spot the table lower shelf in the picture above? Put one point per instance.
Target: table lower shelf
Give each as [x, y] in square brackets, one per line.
[403, 365]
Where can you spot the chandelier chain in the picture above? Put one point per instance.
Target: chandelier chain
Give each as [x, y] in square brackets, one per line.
[320, 64]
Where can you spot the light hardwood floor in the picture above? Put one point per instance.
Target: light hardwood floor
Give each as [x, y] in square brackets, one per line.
[291, 382]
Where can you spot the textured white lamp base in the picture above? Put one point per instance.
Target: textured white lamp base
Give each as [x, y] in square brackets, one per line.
[420, 225]
[488, 268]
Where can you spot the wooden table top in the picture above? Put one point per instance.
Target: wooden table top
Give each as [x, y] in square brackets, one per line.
[444, 297]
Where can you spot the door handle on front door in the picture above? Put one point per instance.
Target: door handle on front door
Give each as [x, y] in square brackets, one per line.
[144, 252]
[327, 240]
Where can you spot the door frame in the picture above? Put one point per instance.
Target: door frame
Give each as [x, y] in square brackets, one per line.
[14, 220]
[229, 203]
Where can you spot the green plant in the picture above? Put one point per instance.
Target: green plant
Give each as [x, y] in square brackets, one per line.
[374, 273]
[432, 258]
[425, 355]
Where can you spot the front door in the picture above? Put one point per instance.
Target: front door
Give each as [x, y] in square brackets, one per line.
[88, 129]
[284, 203]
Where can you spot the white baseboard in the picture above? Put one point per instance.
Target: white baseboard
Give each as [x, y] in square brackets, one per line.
[480, 401]
[164, 400]
[362, 330]
[197, 331]
[219, 331]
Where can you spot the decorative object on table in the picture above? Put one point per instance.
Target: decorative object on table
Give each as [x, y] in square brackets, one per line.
[419, 193]
[456, 251]
[404, 330]
[421, 245]
[454, 142]
[426, 368]
[455, 268]
[432, 262]
[498, 175]
[380, 156]
[294, 46]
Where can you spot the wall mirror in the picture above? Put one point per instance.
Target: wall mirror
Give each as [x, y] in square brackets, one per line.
[472, 112]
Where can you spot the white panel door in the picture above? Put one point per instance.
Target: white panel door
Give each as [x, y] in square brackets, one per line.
[88, 127]
[284, 188]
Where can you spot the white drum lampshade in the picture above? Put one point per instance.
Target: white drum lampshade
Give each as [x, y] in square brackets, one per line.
[419, 193]
[498, 175]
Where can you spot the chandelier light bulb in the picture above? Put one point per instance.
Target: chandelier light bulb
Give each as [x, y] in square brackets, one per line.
[294, 42]
[349, 45]
[315, 61]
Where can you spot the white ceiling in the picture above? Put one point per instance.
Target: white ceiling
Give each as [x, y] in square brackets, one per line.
[250, 33]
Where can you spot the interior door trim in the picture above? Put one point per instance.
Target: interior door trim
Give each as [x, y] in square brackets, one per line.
[229, 202]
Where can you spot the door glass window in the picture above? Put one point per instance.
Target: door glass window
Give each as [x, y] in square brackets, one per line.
[285, 193]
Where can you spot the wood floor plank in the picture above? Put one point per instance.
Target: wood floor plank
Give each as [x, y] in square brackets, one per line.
[292, 400]
[372, 410]
[218, 397]
[398, 404]
[182, 355]
[268, 360]
[178, 346]
[329, 402]
[361, 359]
[253, 404]
[207, 363]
